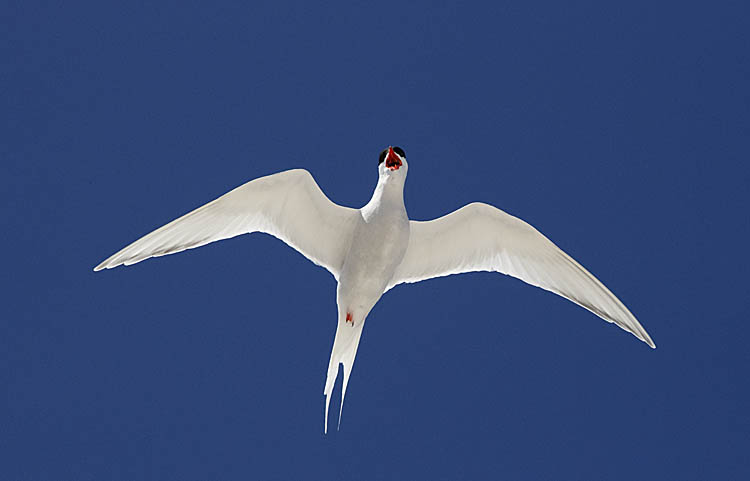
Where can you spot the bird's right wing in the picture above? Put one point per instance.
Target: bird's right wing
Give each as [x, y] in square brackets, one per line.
[480, 237]
[288, 205]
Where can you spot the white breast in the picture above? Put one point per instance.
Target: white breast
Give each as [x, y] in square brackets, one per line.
[378, 247]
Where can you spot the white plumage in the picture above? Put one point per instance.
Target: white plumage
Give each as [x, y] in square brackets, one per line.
[288, 205]
[372, 249]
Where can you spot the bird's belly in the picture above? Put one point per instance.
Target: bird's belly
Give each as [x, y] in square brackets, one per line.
[375, 253]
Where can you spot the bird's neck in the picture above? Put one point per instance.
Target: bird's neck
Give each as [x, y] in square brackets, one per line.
[388, 192]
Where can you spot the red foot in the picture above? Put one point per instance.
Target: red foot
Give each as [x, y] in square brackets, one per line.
[349, 318]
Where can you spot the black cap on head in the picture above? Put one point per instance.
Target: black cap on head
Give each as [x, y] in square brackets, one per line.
[381, 159]
[398, 150]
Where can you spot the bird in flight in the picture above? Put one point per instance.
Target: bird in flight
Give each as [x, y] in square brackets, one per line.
[372, 249]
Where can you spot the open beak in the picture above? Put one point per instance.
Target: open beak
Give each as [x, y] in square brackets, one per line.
[393, 161]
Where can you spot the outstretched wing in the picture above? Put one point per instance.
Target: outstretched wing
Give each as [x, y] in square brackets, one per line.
[479, 237]
[288, 205]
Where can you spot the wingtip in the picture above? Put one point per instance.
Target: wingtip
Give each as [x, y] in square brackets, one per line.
[647, 339]
[107, 264]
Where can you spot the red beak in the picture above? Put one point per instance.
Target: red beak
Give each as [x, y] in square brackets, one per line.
[393, 161]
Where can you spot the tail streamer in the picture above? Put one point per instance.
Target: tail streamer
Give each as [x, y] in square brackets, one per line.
[344, 351]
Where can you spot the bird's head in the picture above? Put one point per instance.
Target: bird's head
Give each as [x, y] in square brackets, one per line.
[392, 162]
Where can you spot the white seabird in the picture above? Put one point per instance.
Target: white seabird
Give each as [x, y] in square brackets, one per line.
[372, 249]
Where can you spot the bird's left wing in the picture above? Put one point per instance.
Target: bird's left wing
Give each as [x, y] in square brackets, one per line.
[288, 205]
[479, 237]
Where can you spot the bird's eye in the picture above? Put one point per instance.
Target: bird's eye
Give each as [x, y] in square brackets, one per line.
[381, 159]
[399, 151]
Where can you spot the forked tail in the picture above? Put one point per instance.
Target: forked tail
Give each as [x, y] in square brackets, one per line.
[344, 351]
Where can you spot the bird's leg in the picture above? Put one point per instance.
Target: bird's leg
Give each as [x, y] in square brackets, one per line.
[350, 318]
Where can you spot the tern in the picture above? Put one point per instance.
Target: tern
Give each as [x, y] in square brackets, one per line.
[372, 249]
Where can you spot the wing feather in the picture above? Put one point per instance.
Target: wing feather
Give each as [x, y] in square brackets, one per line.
[480, 237]
[288, 205]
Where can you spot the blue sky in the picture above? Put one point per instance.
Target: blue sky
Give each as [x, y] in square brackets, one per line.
[620, 130]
